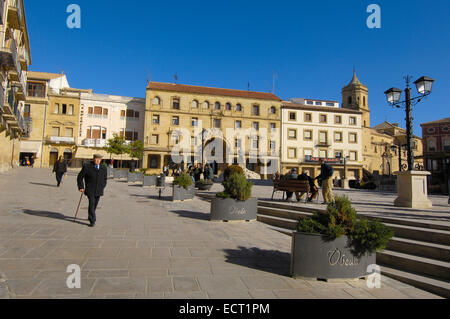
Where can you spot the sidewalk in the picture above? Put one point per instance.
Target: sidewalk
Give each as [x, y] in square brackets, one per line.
[146, 248]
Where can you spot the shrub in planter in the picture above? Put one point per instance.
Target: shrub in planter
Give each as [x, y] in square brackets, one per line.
[337, 244]
[183, 188]
[234, 203]
[204, 185]
[231, 170]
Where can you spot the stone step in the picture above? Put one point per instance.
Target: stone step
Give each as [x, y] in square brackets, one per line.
[282, 213]
[435, 286]
[415, 264]
[288, 224]
[420, 248]
[440, 237]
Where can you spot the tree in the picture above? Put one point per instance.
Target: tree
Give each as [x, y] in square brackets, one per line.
[116, 146]
[136, 150]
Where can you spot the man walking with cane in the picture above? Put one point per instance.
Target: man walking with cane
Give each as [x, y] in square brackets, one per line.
[92, 181]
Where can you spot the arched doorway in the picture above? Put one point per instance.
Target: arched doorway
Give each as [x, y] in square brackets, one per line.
[68, 155]
[53, 156]
[215, 154]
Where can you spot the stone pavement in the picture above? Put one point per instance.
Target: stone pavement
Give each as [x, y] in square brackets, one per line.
[145, 248]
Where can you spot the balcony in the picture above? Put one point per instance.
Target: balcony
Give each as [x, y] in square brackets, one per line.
[9, 56]
[90, 142]
[2, 98]
[60, 140]
[15, 14]
[24, 58]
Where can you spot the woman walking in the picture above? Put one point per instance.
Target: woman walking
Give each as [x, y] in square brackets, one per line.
[60, 169]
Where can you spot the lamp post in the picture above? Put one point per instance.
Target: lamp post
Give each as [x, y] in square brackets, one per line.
[409, 195]
[400, 149]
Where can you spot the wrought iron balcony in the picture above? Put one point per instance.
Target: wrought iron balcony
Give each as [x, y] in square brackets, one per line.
[9, 57]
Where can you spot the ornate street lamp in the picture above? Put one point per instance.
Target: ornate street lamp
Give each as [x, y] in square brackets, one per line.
[424, 87]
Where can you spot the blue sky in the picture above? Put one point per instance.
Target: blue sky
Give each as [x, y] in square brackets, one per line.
[311, 45]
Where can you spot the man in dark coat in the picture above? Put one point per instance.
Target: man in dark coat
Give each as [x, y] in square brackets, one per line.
[92, 181]
[326, 175]
[312, 186]
[292, 175]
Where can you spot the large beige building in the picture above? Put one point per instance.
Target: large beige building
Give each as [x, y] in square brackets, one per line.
[382, 143]
[171, 108]
[314, 129]
[14, 61]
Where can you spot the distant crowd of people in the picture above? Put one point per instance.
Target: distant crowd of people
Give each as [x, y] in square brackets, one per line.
[195, 171]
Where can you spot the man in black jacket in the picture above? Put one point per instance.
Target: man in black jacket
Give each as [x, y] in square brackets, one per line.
[94, 176]
[326, 175]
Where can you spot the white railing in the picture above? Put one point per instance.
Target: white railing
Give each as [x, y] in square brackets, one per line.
[23, 82]
[91, 142]
[97, 116]
[58, 139]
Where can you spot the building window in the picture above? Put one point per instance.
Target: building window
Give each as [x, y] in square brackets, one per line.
[308, 152]
[64, 109]
[431, 146]
[319, 103]
[104, 131]
[206, 105]
[255, 110]
[330, 104]
[217, 106]
[364, 101]
[155, 139]
[353, 138]
[153, 161]
[136, 114]
[310, 102]
[238, 107]
[71, 109]
[176, 104]
[292, 134]
[447, 144]
[338, 119]
[292, 116]
[130, 113]
[338, 137]
[123, 114]
[352, 120]
[238, 125]
[195, 104]
[176, 120]
[56, 108]
[237, 143]
[308, 117]
[292, 153]
[69, 132]
[194, 121]
[55, 131]
[338, 154]
[156, 101]
[323, 153]
[273, 146]
[36, 89]
[27, 110]
[323, 118]
[273, 126]
[90, 110]
[308, 135]
[155, 119]
[353, 156]
[256, 126]
[323, 138]
[98, 110]
[349, 100]
[228, 107]
[217, 123]
[255, 143]
[273, 110]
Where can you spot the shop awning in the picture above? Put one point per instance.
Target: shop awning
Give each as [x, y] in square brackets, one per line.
[31, 147]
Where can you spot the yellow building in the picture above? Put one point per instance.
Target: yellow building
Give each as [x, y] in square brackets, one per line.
[14, 62]
[380, 143]
[171, 108]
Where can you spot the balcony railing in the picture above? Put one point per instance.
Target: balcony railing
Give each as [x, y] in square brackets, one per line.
[9, 54]
[91, 142]
[61, 140]
[16, 7]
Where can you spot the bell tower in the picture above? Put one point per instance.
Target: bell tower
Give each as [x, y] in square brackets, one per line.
[355, 97]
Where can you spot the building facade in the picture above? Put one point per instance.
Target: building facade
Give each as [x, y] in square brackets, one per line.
[383, 145]
[101, 117]
[313, 129]
[171, 108]
[14, 61]
[436, 139]
[39, 86]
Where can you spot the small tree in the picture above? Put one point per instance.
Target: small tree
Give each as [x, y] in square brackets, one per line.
[136, 150]
[116, 146]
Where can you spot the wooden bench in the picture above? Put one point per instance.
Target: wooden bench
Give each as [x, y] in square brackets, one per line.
[294, 186]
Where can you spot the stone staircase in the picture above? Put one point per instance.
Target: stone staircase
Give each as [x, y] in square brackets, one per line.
[418, 255]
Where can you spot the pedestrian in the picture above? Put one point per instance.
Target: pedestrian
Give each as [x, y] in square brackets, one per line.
[208, 173]
[326, 175]
[60, 169]
[198, 172]
[92, 181]
[166, 171]
[293, 175]
[314, 191]
[32, 161]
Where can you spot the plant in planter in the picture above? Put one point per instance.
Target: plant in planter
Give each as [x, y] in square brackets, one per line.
[204, 185]
[150, 180]
[235, 202]
[337, 244]
[183, 188]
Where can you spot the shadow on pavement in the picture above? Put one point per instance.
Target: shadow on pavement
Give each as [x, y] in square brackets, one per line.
[154, 197]
[272, 261]
[47, 185]
[53, 215]
[192, 215]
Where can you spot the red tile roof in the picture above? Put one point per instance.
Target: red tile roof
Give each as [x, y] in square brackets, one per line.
[212, 91]
[446, 120]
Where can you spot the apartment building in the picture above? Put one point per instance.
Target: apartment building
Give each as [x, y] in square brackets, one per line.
[171, 107]
[102, 116]
[14, 61]
[315, 129]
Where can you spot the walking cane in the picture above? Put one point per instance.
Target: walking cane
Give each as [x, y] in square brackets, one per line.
[78, 208]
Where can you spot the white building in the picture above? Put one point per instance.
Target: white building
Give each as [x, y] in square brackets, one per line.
[313, 129]
[102, 116]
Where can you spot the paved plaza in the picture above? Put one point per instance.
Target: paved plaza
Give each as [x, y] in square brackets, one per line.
[144, 247]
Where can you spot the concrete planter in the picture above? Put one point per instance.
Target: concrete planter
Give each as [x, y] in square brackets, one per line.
[182, 194]
[233, 210]
[203, 187]
[120, 174]
[150, 181]
[110, 172]
[135, 177]
[314, 257]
